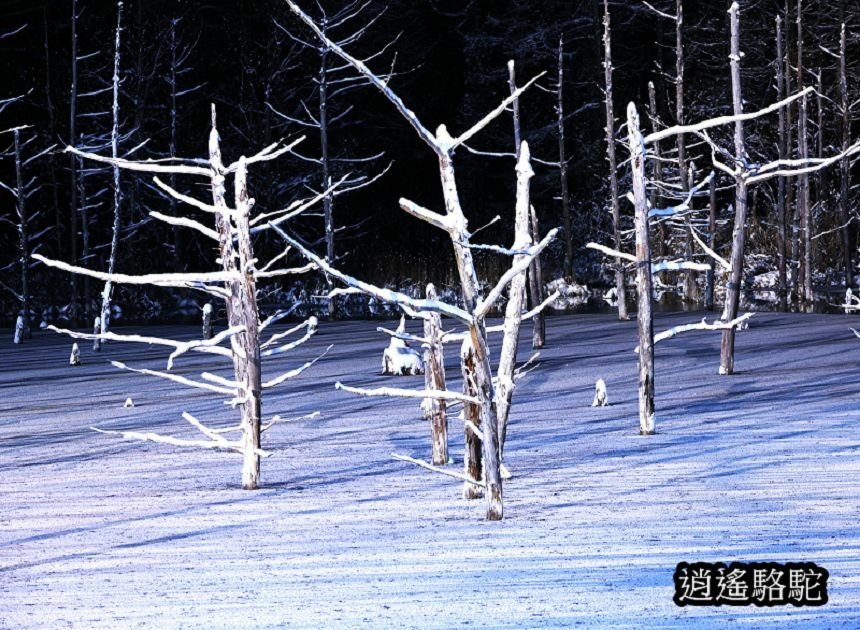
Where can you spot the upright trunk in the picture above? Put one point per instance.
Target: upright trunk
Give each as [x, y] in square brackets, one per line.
[73, 162]
[328, 200]
[712, 231]
[241, 306]
[174, 124]
[534, 276]
[434, 379]
[536, 290]
[483, 373]
[782, 285]
[803, 179]
[569, 271]
[843, 164]
[107, 294]
[655, 198]
[690, 288]
[52, 130]
[613, 166]
[516, 297]
[24, 238]
[472, 460]
[733, 287]
[244, 297]
[643, 276]
[791, 232]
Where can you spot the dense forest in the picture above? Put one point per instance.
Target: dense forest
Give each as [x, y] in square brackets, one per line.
[137, 80]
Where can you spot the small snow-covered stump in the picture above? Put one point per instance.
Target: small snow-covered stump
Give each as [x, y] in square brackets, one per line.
[19, 330]
[75, 357]
[97, 329]
[207, 321]
[600, 397]
[398, 359]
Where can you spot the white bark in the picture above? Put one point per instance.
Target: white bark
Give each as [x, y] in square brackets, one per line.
[516, 296]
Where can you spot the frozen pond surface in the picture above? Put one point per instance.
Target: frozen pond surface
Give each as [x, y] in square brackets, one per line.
[97, 532]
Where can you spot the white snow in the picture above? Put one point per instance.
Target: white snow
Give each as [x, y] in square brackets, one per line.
[97, 532]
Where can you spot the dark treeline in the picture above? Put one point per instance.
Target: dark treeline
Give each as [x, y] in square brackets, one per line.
[251, 58]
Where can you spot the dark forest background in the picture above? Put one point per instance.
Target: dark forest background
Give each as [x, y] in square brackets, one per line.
[449, 58]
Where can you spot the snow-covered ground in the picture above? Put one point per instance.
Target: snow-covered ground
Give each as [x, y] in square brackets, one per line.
[96, 532]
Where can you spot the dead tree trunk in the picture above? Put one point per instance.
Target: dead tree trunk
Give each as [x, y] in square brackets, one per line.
[516, 297]
[23, 239]
[174, 117]
[844, 164]
[472, 459]
[655, 199]
[483, 374]
[569, 271]
[712, 232]
[613, 166]
[733, 287]
[643, 275]
[690, 288]
[536, 291]
[782, 283]
[434, 380]
[73, 162]
[107, 294]
[803, 201]
[325, 164]
[534, 282]
[241, 305]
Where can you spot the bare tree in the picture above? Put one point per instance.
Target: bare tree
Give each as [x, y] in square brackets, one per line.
[26, 222]
[613, 166]
[331, 86]
[475, 307]
[107, 293]
[235, 284]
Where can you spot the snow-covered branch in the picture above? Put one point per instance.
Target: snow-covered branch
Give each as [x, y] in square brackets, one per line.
[441, 471]
[294, 372]
[145, 166]
[407, 393]
[157, 279]
[386, 295]
[611, 252]
[670, 132]
[209, 346]
[702, 325]
[518, 267]
[178, 379]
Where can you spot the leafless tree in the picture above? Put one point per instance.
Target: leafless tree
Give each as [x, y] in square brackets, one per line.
[235, 284]
[475, 306]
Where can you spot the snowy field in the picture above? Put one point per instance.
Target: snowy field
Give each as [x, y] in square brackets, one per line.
[97, 532]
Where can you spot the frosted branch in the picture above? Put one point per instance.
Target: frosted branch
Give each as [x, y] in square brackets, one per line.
[441, 471]
[433, 218]
[161, 280]
[702, 325]
[295, 372]
[670, 132]
[518, 267]
[386, 295]
[145, 166]
[395, 392]
[209, 346]
[611, 252]
[166, 439]
[177, 379]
